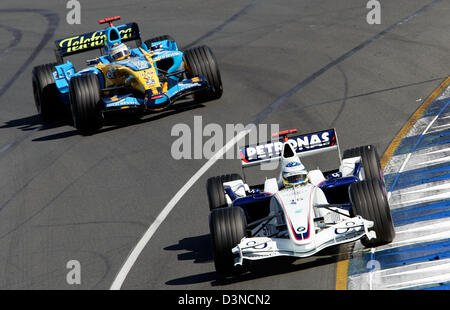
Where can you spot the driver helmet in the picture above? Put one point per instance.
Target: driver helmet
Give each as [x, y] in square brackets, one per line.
[294, 173]
[117, 52]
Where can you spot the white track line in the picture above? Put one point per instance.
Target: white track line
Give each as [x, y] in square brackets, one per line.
[426, 189]
[419, 200]
[425, 238]
[437, 225]
[441, 126]
[434, 161]
[137, 250]
[437, 151]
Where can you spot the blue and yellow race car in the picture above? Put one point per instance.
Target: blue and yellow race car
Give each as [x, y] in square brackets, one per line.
[147, 78]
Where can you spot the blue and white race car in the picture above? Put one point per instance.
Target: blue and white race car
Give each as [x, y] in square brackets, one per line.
[149, 77]
[301, 212]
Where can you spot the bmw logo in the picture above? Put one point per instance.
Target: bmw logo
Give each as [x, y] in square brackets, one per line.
[301, 229]
[293, 164]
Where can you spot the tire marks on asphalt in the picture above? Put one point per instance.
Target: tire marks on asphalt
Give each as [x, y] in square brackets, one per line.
[286, 96]
[17, 37]
[53, 22]
[340, 100]
[344, 98]
[219, 28]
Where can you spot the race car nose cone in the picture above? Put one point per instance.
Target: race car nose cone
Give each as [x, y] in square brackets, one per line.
[156, 102]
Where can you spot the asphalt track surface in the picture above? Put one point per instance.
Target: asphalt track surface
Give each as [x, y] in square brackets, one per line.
[301, 64]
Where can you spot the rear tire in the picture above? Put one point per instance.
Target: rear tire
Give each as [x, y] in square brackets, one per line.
[369, 200]
[370, 161]
[227, 226]
[200, 61]
[45, 93]
[216, 192]
[85, 103]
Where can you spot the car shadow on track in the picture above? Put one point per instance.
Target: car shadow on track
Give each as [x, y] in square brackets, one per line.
[199, 251]
[31, 123]
[112, 122]
[118, 120]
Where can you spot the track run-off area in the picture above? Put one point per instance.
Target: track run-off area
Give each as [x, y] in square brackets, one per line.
[418, 189]
[132, 215]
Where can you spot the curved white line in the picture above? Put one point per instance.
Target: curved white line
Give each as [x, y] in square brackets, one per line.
[137, 250]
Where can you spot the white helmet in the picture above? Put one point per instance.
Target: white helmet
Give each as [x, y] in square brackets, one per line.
[294, 173]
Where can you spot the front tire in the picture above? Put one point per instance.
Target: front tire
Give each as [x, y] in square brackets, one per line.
[85, 103]
[200, 61]
[216, 192]
[369, 200]
[370, 161]
[227, 226]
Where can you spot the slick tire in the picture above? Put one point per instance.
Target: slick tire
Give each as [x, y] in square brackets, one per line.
[149, 42]
[216, 192]
[200, 61]
[369, 200]
[370, 161]
[84, 91]
[227, 226]
[45, 93]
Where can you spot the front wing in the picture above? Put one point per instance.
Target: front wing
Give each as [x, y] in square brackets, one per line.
[181, 89]
[256, 248]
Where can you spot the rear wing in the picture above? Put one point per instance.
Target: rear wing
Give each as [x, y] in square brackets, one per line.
[304, 145]
[94, 40]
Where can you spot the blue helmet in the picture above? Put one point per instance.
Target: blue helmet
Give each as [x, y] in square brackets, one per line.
[117, 51]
